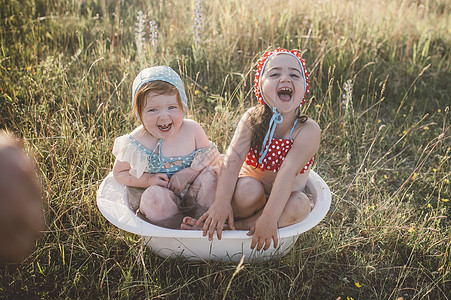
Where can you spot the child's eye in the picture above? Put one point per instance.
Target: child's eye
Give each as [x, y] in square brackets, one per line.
[172, 107]
[295, 75]
[274, 75]
[152, 109]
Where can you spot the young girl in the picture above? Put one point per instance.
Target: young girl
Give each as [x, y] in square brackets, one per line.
[167, 154]
[265, 171]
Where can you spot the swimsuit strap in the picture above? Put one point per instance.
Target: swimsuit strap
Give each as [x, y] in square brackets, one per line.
[292, 128]
[275, 119]
[160, 151]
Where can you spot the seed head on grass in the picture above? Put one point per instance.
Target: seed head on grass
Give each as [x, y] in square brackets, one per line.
[197, 27]
[347, 98]
[153, 39]
[140, 32]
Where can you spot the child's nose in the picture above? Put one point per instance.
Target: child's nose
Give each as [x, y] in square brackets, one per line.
[285, 78]
[164, 113]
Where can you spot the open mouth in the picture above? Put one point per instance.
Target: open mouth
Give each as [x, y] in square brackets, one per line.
[284, 94]
[165, 127]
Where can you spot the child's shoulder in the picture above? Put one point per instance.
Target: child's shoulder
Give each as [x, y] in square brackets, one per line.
[191, 125]
[189, 122]
[249, 111]
[244, 122]
[310, 127]
[311, 124]
[194, 130]
[142, 137]
[138, 132]
[247, 114]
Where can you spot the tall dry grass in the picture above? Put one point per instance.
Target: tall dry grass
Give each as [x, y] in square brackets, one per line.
[66, 70]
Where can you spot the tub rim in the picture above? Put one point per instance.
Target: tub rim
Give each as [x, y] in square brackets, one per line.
[119, 214]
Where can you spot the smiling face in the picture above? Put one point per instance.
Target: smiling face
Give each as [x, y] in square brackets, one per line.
[282, 83]
[162, 115]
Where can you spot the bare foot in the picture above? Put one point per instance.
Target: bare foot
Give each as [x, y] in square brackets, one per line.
[189, 223]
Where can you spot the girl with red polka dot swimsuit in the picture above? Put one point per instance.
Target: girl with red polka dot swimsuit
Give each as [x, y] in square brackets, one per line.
[262, 178]
[277, 151]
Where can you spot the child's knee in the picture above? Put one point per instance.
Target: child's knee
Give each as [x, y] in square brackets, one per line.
[157, 204]
[249, 197]
[298, 206]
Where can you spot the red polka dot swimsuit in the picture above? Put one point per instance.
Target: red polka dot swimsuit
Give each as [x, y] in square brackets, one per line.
[278, 149]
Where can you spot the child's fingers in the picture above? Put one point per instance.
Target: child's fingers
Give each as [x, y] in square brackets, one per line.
[202, 218]
[163, 176]
[251, 231]
[257, 242]
[211, 230]
[260, 244]
[254, 238]
[161, 180]
[267, 243]
[175, 184]
[254, 242]
[219, 230]
[231, 221]
[276, 241]
[206, 226]
[174, 188]
[162, 183]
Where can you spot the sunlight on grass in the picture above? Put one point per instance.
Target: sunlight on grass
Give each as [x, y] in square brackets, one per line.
[380, 92]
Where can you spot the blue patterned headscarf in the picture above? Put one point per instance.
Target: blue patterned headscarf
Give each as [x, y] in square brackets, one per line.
[163, 73]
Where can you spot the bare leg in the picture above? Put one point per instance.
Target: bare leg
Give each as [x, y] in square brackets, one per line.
[249, 197]
[158, 204]
[200, 196]
[296, 210]
[202, 191]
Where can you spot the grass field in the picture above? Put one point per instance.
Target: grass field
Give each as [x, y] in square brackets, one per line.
[380, 74]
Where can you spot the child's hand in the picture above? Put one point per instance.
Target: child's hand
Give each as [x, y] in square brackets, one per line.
[263, 231]
[179, 180]
[215, 218]
[159, 179]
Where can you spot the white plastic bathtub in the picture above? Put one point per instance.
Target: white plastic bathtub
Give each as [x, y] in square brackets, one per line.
[114, 205]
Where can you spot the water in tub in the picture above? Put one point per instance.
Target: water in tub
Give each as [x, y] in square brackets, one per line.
[134, 196]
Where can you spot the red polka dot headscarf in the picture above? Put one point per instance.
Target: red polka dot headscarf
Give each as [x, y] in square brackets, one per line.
[276, 118]
[261, 68]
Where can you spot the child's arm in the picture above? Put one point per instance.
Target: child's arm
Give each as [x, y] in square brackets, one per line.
[305, 145]
[121, 172]
[126, 154]
[221, 209]
[179, 180]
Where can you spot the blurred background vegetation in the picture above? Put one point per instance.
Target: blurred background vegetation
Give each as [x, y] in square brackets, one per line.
[380, 75]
